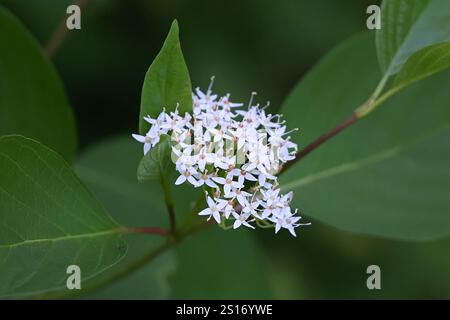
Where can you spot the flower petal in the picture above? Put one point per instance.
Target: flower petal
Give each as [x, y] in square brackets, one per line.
[139, 138]
[205, 212]
[181, 179]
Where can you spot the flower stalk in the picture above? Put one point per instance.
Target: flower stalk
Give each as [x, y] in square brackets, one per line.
[169, 204]
[319, 141]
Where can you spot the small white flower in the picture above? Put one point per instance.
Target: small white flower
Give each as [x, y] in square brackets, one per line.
[226, 104]
[227, 163]
[205, 178]
[269, 210]
[219, 158]
[174, 123]
[240, 136]
[240, 195]
[212, 210]
[149, 140]
[287, 220]
[251, 209]
[228, 183]
[158, 121]
[266, 121]
[205, 158]
[276, 135]
[228, 208]
[271, 196]
[241, 219]
[184, 160]
[244, 175]
[187, 174]
[287, 198]
[258, 161]
[206, 99]
[219, 134]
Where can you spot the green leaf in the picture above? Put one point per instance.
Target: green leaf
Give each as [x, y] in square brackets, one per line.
[155, 163]
[49, 221]
[422, 64]
[108, 168]
[167, 81]
[32, 98]
[385, 175]
[220, 264]
[408, 26]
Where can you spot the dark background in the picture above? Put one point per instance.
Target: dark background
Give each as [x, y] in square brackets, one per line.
[264, 46]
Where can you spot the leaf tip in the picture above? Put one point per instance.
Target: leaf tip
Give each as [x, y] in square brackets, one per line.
[174, 26]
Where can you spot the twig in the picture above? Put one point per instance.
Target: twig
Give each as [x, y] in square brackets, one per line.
[148, 230]
[169, 204]
[316, 143]
[194, 213]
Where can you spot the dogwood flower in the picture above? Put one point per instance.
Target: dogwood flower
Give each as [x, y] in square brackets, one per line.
[205, 178]
[212, 210]
[271, 196]
[252, 208]
[286, 220]
[149, 140]
[187, 175]
[228, 209]
[240, 195]
[234, 155]
[244, 175]
[241, 219]
[228, 183]
[204, 158]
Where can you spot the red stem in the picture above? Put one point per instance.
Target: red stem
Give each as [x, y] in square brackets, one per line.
[316, 143]
[148, 230]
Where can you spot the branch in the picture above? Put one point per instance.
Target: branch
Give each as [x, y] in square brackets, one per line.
[169, 204]
[359, 113]
[320, 140]
[60, 33]
[194, 213]
[148, 230]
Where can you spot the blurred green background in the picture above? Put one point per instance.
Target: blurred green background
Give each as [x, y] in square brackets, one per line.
[264, 46]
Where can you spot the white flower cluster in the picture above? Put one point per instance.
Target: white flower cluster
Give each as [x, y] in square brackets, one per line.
[234, 156]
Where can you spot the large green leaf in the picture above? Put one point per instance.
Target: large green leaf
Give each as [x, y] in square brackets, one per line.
[167, 81]
[32, 98]
[408, 26]
[49, 221]
[387, 174]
